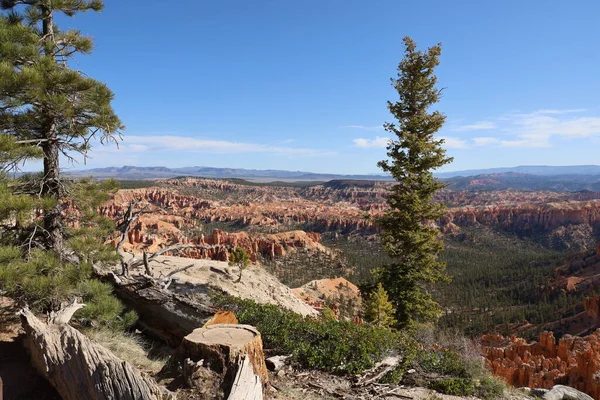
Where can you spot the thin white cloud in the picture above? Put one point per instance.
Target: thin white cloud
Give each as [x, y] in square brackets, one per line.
[366, 128]
[378, 142]
[478, 126]
[454, 142]
[536, 129]
[485, 141]
[139, 144]
[560, 112]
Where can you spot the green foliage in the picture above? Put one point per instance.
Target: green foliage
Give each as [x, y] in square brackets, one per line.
[407, 234]
[43, 282]
[445, 363]
[378, 309]
[490, 388]
[101, 306]
[87, 240]
[240, 258]
[449, 363]
[325, 344]
[47, 108]
[453, 386]
[499, 278]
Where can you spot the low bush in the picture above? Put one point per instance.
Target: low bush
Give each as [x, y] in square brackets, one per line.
[325, 344]
[453, 386]
[450, 364]
[490, 388]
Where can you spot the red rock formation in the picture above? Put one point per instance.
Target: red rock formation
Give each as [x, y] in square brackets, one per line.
[335, 290]
[575, 361]
[528, 217]
[592, 306]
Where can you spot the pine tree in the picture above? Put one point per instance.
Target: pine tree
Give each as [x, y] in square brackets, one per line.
[45, 106]
[408, 232]
[378, 309]
[241, 259]
[47, 109]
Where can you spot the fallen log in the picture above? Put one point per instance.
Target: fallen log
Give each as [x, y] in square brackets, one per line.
[164, 314]
[233, 351]
[561, 392]
[79, 368]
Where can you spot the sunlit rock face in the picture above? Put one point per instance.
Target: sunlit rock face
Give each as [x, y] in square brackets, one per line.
[573, 361]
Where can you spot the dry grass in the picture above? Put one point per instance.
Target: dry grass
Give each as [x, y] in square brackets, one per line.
[129, 347]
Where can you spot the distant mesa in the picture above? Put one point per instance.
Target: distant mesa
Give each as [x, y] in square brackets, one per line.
[539, 170]
[132, 172]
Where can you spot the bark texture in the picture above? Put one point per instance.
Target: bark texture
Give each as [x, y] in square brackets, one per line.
[164, 314]
[81, 369]
[233, 351]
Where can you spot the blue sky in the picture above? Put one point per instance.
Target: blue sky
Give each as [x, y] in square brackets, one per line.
[303, 85]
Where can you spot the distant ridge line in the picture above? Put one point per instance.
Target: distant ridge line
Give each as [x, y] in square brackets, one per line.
[132, 172]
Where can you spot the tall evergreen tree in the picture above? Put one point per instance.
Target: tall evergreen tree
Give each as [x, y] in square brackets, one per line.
[408, 231]
[44, 104]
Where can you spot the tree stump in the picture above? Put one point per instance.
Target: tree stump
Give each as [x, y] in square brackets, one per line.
[235, 352]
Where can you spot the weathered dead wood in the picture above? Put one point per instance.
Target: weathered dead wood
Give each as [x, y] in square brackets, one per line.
[561, 392]
[164, 314]
[275, 363]
[246, 384]
[165, 281]
[233, 351]
[81, 369]
[374, 374]
[146, 263]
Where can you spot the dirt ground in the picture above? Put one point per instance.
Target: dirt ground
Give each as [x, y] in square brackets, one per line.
[256, 284]
[21, 381]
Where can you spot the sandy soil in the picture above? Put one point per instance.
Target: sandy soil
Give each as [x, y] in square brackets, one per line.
[256, 284]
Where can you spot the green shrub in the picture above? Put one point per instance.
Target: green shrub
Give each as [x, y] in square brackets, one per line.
[490, 388]
[453, 386]
[324, 344]
[444, 363]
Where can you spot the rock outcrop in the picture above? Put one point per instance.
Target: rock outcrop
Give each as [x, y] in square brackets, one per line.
[573, 361]
[528, 217]
[340, 295]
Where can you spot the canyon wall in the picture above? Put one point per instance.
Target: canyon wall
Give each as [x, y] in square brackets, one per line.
[573, 361]
[527, 217]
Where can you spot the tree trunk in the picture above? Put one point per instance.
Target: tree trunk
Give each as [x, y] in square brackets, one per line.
[164, 314]
[233, 351]
[51, 179]
[51, 188]
[81, 369]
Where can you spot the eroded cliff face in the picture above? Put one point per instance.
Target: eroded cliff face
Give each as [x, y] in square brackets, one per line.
[352, 207]
[170, 219]
[573, 361]
[279, 214]
[563, 220]
[528, 217]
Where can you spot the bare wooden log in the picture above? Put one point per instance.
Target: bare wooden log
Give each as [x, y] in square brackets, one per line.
[233, 351]
[164, 314]
[561, 392]
[375, 374]
[81, 369]
[246, 384]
